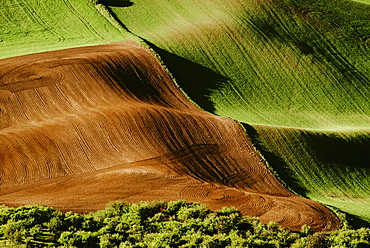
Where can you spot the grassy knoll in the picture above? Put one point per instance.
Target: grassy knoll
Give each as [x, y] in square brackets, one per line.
[297, 71]
[160, 224]
[36, 26]
[282, 69]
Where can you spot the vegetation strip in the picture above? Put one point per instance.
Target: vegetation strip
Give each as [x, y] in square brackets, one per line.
[160, 224]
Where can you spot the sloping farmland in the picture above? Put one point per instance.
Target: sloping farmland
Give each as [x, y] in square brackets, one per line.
[86, 126]
[295, 72]
[35, 26]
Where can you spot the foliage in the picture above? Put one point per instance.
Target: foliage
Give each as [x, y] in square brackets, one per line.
[159, 224]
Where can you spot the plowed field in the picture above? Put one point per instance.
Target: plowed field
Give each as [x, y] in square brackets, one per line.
[85, 126]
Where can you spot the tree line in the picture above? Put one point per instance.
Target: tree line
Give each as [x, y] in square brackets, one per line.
[160, 224]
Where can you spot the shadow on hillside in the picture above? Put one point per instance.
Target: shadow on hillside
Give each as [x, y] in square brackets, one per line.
[337, 153]
[133, 79]
[341, 152]
[345, 157]
[197, 81]
[116, 3]
[278, 164]
[355, 222]
[307, 41]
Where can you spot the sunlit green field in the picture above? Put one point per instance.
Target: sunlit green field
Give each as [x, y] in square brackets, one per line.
[296, 71]
[362, 1]
[35, 26]
[281, 68]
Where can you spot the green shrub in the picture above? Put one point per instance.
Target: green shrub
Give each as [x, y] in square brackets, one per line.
[159, 224]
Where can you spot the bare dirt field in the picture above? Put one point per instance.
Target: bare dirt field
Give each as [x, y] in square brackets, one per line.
[86, 126]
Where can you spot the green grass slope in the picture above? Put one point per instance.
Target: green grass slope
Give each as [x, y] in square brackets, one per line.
[28, 26]
[363, 1]
[329, 167]
[283, 69]
[296, 71]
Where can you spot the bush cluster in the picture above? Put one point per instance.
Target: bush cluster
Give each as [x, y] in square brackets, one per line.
[159, 224]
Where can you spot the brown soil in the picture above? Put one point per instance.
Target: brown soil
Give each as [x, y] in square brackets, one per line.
[86, 126]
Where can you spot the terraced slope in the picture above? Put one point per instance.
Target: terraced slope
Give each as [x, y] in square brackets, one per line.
[85, 126]
[36, 26]
[297, 71]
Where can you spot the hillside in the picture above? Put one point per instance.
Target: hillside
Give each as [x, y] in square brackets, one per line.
[90, 124]
[296, 73]
[85, 126]
[37, 26]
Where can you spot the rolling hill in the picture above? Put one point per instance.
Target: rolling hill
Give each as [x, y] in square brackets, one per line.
[84, 126]
[296, 73]
[37, 26]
